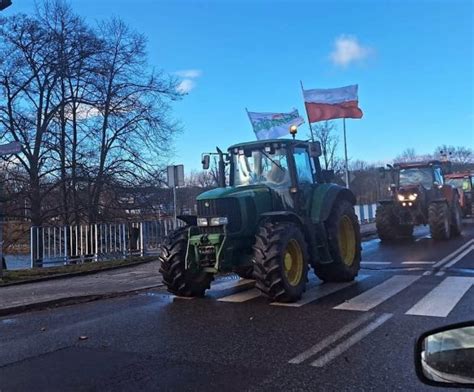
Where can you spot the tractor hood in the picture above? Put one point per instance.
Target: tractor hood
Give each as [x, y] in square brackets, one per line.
[240, 191]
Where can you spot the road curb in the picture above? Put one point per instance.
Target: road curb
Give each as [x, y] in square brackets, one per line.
[74, 274]
[74, 300]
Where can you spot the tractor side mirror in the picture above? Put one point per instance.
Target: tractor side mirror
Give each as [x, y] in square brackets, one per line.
[206, 159]
[381, 172]
[315, 149]
[328, 175]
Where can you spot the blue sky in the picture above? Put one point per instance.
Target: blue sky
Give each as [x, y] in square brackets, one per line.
[413, 61]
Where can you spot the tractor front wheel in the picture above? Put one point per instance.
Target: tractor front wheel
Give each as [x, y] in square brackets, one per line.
[344, 245]
[280, 261]
[176, 277]
[438, 219]
[386, 223]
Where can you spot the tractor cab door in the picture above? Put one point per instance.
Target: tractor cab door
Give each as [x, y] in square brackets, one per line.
[305, 178]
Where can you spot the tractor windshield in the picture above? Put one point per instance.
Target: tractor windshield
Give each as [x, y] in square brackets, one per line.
[416, 176]
[261, 167]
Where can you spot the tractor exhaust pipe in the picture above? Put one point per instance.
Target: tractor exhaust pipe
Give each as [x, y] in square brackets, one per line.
[221, 169]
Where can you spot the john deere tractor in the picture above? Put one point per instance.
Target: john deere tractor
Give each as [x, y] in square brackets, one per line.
[419, 196]
[278, 216]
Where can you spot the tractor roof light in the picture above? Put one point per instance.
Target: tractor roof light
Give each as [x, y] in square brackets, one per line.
[293, 130]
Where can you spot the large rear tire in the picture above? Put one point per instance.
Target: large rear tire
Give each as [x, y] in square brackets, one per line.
[438, 219]
[386, 223]
[176, 277]
[281, 261]
[344, 245]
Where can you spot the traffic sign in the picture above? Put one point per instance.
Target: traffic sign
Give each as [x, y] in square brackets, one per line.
[10, 148]
[175, 175]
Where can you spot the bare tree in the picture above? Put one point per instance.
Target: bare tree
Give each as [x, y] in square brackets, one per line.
[325, 132]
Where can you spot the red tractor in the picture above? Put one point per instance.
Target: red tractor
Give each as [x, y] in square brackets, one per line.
[463, 181]
[419, 196]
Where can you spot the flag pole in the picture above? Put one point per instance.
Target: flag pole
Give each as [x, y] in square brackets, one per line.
[345, 152]
[307, 115]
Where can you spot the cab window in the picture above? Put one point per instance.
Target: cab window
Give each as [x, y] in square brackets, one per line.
[303, 166]
[438, 176]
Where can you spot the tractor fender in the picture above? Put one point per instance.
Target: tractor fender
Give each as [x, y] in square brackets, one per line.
[324, 198]
[386, 202]
[190, 220]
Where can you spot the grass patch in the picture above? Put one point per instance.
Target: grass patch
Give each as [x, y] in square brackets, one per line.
[37, 273]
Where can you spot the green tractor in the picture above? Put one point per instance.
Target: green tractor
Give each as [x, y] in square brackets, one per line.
[279, 215]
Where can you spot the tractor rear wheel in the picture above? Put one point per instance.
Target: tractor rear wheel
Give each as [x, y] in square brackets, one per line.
[176, 277]
[456, 226]
[280, 261]
[344, 245]
[386, 223]
[438, 219]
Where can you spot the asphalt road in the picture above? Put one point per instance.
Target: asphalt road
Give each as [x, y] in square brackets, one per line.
[339, 337]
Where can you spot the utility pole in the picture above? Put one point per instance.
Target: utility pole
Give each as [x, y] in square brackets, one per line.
[345, 153]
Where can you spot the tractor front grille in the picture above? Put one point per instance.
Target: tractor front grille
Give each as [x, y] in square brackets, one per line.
[228, 207]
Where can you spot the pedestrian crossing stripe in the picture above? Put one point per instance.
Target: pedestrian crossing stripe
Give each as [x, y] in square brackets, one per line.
[439, 302]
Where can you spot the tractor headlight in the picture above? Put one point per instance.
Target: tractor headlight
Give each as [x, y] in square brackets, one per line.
[202, 222]
[220, 221]
[401, 197]
[412, 197]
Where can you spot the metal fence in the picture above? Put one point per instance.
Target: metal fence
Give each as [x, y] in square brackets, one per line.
[366, 212]
[56, 245]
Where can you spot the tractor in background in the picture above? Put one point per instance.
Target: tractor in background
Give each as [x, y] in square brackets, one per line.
[464, 182]
[419, 196]
[278, 215]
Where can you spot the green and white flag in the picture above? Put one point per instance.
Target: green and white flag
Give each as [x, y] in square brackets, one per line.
[274, 125]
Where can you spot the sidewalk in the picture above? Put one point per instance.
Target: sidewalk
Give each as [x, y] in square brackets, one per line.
[110, 283]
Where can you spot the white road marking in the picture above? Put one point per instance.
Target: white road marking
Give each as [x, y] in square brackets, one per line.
[426, 273]
[348, 343]
[320, 291]
[418, 262]
[330, 339]
[375, 262]
[378, 294]
[440, 273]
[454, 253]
[231, 284]
[440, 301]
[458, 257]
[242, 296]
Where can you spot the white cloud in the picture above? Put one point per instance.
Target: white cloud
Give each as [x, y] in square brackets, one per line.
[189, 73]
[185, 86]
[188, 81]
[347, 50]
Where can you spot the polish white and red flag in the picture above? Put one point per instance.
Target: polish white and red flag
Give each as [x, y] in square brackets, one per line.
[331, 103]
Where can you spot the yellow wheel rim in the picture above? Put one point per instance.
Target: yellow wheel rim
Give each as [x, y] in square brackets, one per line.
[293, 263]
[347, 240]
